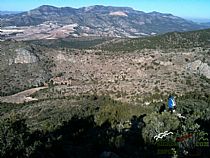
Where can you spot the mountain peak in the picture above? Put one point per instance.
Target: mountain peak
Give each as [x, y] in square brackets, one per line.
[155, 13]
[106, 9]
[46, 6]
[98, 19]
[158, 13]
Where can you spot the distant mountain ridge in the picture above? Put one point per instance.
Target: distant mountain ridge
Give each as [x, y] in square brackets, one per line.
[206, 24]
[103, 20]
[9, 12]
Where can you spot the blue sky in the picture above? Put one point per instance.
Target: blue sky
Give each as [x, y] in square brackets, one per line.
[184, 8]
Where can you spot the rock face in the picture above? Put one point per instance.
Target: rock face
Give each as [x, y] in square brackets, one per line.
[24, 57]
[22, 66]
[199, 67]
[118, 14]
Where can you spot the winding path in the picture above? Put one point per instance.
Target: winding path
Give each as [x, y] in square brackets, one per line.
[21, 97]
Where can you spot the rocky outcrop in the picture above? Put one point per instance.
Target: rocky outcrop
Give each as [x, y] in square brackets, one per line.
[119, 13]
[24, 56]
[199, 67]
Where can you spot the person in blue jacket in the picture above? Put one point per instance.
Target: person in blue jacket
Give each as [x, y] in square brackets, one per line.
[171, 104]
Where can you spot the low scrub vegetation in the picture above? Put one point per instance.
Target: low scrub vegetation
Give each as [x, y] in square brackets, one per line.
[174, 40]
[92, 126]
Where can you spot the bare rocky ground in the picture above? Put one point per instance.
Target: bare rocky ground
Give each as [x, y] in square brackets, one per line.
[128, 76]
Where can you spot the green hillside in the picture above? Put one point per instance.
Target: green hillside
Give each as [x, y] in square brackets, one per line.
[88, 126]
[172, 40]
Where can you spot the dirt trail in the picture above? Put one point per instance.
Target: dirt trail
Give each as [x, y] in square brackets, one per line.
[21, 97]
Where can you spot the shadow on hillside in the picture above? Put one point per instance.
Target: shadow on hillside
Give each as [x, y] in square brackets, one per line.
[81, 137]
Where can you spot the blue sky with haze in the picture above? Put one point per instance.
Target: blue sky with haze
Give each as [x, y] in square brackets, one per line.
[184, 8]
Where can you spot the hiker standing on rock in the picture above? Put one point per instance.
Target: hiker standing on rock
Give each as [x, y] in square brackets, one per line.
[171, 104]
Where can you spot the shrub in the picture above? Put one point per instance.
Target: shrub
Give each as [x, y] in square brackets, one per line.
[157, 123]
[13, 137]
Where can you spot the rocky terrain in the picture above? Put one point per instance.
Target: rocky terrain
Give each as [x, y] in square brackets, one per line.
[104, 97]
[48, 22]
[22, 67]
[129, 75]
[126, 75]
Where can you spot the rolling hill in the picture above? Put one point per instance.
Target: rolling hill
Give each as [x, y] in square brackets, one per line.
[173, 40]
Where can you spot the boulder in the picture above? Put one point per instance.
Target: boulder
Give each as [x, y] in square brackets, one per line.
[198, 67]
